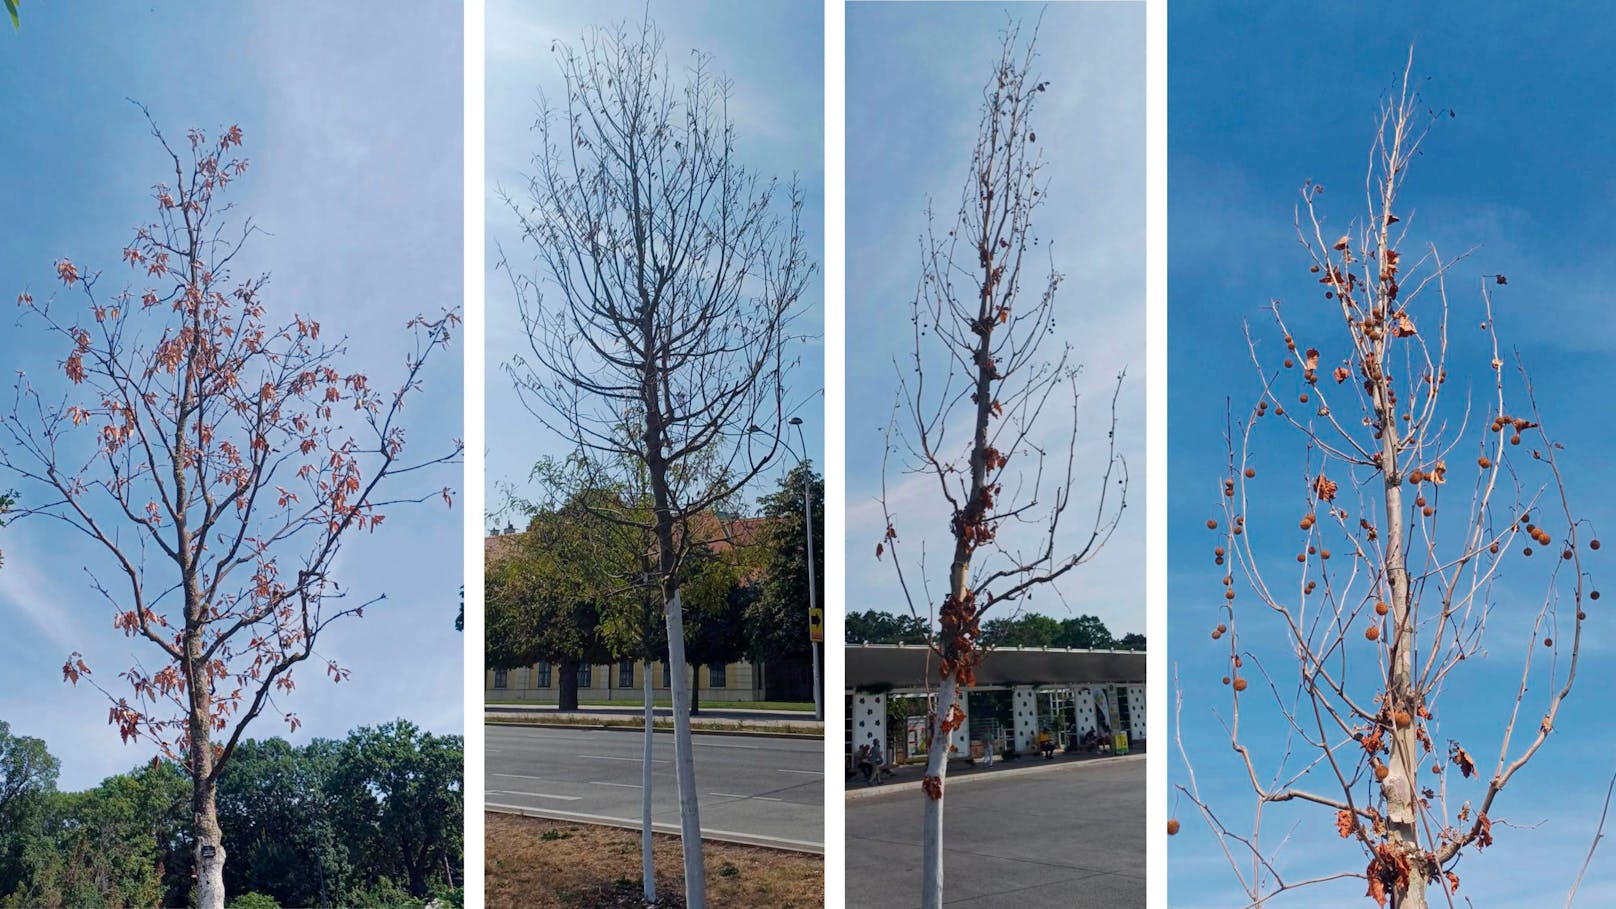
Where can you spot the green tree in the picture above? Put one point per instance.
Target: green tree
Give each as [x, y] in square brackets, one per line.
[875, 627]
[1028, 630]
[777, 621]
[535, 609]
[400, 797]
[716, 602]
[1086, 632]
[278, 817]
[27, 785]
[122, 843]
[1132, 641]
[27, 770]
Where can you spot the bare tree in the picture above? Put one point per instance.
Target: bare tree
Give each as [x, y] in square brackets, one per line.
[678, 272]
[975, 324]
[1416, 514]
[220, 460]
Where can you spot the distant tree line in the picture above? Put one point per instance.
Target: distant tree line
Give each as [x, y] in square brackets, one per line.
[371, 820]
[1030, 629]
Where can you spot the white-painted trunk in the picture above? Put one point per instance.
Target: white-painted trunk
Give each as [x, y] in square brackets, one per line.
[931, 834]
[684, 760]
[209, 875]
[647, 866]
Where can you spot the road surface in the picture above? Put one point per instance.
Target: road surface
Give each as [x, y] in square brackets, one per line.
[760, 789]
[1072, 838]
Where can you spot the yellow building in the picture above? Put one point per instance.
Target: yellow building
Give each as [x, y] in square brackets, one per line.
[539, 683]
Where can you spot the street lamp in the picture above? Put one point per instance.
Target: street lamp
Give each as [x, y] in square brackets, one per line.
[808, 522]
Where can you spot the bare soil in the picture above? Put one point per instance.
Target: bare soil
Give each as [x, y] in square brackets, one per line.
[535, 863]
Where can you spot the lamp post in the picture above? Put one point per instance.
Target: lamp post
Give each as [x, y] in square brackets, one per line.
[808, 523]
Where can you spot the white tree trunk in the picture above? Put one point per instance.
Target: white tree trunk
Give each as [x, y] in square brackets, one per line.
[684, 760]
[647, 866]
[931, 835]
[209, 872]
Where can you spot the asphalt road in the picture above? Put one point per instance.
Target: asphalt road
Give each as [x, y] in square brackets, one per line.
[758, 789]
[1072, 838]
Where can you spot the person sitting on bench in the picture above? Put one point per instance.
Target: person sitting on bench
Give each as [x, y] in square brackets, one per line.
[1046, 744]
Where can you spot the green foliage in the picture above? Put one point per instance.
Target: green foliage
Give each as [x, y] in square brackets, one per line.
[27, 770]
[374, 820]
[16, 20]
[1085, 632]
[777, 622]
[399, 797]
[561, 591]
[874, 627]
[449, 897]
[1029, 630]
[119, 844]
[381, 894]
[280, 832]
[715, 603]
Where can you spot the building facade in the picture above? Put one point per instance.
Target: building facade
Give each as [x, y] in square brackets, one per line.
[540, 683]
[1020, 692]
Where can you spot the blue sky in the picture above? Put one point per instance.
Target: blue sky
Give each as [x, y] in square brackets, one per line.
[1259, 102]
[915, 73]
[773, 53]
[352, 121]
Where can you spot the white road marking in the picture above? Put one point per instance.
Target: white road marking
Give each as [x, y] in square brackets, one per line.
[609, 757]
[724, 745]
[521, 776]
[632, 823]
[815, 772]
[618, 785]
[731, 795]
[536, 795]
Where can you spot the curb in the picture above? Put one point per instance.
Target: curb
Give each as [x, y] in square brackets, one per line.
[719, 836]
[865, 792]
[626, 727]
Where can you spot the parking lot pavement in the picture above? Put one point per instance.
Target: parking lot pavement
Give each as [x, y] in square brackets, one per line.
[1072, 838]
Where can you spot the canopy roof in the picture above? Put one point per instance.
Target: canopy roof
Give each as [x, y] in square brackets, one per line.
[878, 667]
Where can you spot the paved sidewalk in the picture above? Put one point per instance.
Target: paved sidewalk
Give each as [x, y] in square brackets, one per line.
[908, 776]
[711, 719]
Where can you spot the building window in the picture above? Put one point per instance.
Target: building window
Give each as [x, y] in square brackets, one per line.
[667, 675]
[716, 676]
[541, 674]
[586, 675]
[625, 674]
[499, 678]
